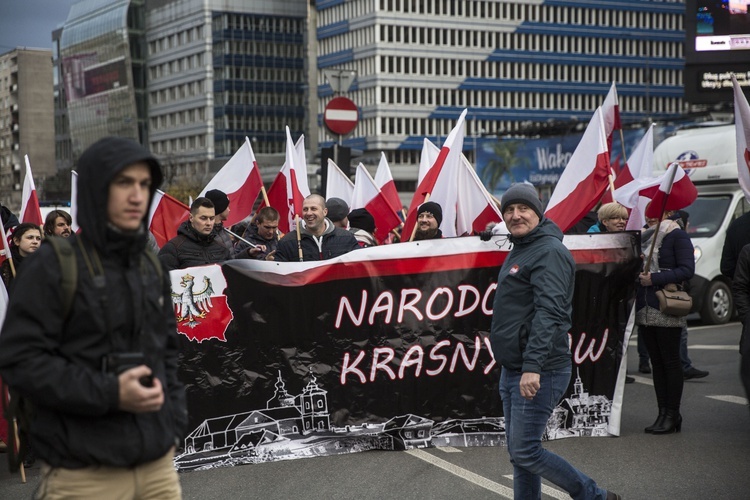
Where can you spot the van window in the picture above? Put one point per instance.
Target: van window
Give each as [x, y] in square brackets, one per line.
[706, 215]
[741, 209]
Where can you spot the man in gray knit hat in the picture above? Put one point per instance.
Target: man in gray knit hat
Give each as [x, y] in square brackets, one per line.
[529, 336]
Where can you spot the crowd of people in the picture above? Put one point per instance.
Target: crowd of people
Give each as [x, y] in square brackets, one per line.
[121, 411]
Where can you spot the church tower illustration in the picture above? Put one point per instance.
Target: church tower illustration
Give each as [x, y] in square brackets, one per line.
[281, 398]
[314, 407]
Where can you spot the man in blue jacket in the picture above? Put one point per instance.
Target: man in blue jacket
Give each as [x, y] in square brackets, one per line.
[529, 335]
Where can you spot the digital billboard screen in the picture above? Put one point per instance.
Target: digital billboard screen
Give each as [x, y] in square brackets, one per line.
[717, 45]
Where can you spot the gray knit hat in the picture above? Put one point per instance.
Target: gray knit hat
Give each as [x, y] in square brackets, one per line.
[337, 209]
[525, 193]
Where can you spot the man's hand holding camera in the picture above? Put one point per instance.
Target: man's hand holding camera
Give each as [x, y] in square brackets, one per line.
[135, 397]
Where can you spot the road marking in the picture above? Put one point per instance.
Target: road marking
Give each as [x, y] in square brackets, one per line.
[449, 449]
[643, 380]
[708, 327]
[481, 481]
[704, 347]
[547, 490]
[734, 347]
[730, 399]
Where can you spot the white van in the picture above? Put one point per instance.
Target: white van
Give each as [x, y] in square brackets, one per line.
[720, 201]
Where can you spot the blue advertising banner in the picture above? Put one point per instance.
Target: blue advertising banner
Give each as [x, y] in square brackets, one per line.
[541, 161]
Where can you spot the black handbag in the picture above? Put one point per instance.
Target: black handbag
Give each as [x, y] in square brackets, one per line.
[674, 301]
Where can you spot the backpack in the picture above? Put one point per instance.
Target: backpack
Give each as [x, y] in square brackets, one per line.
[18, 409]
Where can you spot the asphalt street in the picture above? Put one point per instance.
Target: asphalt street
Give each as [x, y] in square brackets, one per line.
[709, 459]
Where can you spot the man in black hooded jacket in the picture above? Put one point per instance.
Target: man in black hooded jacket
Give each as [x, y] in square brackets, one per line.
[102, 375]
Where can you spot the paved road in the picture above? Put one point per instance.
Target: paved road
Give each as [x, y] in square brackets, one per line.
[709, 459]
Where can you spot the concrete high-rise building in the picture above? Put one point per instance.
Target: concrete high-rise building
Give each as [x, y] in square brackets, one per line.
[63, 147]
[220, 71]
[419, 63]
[26, 123]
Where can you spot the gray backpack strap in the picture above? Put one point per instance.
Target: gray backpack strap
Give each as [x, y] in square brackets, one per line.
[69, 271]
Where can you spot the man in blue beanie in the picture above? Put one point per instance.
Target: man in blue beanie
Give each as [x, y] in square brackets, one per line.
[529, 337]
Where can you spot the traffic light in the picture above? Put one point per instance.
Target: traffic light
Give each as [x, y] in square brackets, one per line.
[341, 156]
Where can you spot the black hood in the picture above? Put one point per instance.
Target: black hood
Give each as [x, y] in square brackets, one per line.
[97, 167]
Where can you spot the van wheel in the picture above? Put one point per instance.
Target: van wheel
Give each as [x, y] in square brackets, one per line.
[717, 304]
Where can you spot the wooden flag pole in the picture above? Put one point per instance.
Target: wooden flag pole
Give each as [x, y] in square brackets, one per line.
[299, 237]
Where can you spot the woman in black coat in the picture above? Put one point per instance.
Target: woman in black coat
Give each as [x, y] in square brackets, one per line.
[26, 240]
[672, 262]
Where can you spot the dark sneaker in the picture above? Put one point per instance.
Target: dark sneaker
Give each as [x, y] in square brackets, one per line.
[613, 496]
[693, 372]
[644, 368]
[629, 379]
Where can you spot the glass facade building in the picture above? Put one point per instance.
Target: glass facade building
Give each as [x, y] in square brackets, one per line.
[102, 52]
[220, 71]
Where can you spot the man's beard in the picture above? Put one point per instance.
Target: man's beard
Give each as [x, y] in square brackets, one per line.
[426, 234]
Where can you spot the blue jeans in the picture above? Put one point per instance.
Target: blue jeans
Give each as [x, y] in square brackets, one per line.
[525, 422]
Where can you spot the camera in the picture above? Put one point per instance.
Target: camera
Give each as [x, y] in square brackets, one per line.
[117, 362]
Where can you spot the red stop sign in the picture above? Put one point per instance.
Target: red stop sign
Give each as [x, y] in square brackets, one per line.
[341, 115]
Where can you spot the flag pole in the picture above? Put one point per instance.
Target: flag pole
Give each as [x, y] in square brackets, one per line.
[416, 223]
[240, 237]
[299, 238]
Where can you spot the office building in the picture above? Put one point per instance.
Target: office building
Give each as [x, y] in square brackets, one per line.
[419, 63]
[26, 124]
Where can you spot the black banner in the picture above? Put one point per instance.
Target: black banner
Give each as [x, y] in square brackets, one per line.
[383, 348]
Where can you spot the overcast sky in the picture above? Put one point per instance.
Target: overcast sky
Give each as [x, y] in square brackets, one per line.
[29, 23]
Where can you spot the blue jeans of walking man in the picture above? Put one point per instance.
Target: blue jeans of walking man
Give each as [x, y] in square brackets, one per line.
[525, 422]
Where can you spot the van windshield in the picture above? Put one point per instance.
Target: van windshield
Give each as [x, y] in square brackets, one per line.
[707, 214]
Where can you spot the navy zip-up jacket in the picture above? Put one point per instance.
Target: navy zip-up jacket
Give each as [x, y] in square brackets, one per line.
[533, 303]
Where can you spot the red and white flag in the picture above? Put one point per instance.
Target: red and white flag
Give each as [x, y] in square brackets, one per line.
[427, 159]
[30, 211]
[675, 191]
[240, 179]
[742, 129]
[165, 216]
[611, 114]
[338, 185]
[475, 207]
[440, 183]
[584, 179]
[384, 181]
[285, 193]
[641, 166]
[367, 195]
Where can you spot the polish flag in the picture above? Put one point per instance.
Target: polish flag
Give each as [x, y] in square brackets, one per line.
[611, 117]
[367, 195]
[440, 183]
[338, 185]
[675, 191]
[427, 159]
[641, 166]
[611, 114]
[384, 181]
[584, 179]
[30, 211]
[475, 207]
[240, 179]
[286, 193]
[165, 216]
[742, 129]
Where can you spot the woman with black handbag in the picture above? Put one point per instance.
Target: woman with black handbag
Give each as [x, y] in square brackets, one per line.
[670, 260]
